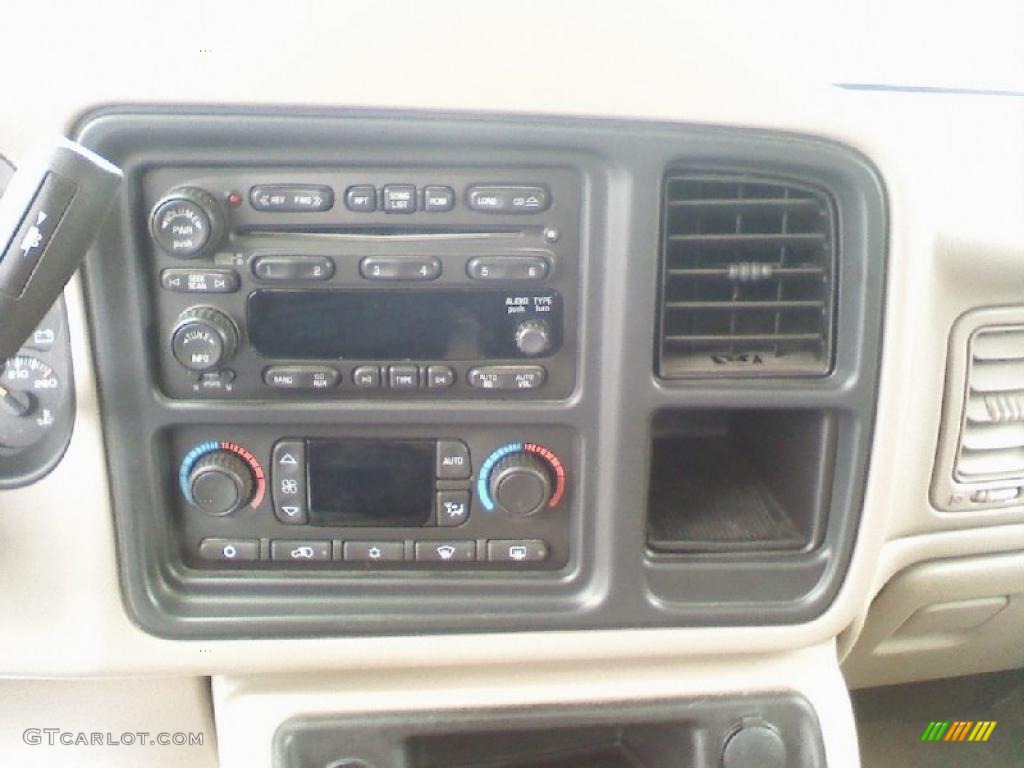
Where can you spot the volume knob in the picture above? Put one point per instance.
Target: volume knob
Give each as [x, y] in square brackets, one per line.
[187, 222]
[220, 483]
[520, 484]
[204, 338]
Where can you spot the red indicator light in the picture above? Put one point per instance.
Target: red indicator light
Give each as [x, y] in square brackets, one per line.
[234, 199]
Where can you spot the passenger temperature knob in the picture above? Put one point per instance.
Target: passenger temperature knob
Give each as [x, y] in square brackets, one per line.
[521, 484]
[221, 483]
[204, 338]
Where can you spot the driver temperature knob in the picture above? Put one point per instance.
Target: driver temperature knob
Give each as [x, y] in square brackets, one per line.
[221, 483]
[521, 484]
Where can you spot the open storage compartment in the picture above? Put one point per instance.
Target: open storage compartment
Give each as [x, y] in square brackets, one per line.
[739, 480]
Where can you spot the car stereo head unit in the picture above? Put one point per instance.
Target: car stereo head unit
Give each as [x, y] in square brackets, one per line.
[355, 283]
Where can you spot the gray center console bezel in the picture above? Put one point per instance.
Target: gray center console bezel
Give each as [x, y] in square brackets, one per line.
[611, 579]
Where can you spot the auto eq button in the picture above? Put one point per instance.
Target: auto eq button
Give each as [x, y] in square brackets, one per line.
[507, 377]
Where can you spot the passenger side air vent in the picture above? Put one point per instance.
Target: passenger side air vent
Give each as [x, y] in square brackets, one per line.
[980, 460]
[992, 436]
[748, 277]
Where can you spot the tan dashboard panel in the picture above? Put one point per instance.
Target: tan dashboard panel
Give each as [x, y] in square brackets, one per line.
[951, 249]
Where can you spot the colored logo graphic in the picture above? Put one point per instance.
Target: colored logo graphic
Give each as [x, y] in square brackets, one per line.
[959, 730]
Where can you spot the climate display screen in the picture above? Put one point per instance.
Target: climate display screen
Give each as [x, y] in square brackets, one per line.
[370, 482]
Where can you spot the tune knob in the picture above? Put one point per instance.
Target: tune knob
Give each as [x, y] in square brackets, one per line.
[221, 483]
[204, 338]
[533, 338]
[521, 484]
[187, 222]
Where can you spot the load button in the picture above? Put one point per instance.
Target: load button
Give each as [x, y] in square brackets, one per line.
[491, 198]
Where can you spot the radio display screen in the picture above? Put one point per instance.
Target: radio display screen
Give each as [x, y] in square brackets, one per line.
[370, 482]
[395, 324]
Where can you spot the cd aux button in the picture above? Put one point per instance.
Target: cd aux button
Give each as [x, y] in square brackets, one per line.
[400, 268]
[301, 377]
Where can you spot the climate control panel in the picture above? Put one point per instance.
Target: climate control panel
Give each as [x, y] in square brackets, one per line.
[366, 498]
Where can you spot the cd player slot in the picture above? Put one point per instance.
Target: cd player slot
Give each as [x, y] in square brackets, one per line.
[383, 232]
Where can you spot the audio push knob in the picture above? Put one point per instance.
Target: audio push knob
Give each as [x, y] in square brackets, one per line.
[221, 483]
[533, 338]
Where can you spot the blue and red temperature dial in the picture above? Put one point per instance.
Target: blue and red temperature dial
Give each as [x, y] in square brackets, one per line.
[221, 477]
[521, 479]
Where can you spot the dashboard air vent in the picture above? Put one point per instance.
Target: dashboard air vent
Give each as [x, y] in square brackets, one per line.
[748, 277]
[992, 434]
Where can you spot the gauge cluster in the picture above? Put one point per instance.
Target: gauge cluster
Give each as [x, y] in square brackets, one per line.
[36, 402]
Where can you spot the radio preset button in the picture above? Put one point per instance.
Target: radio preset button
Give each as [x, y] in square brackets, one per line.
[404, 377]
[361, 198]
[446, 551]
[288, 472]
[507, 377]
[301, 377]
[440, 377]
[400, 268]
[229, 550]
[399, 198]
[508, 199]
[517, 550]
[437, 199]
[453, 462]
[291, 198]
[300, 551]
[199, 280]
[366, 377]
[293, 268]
[507, 268]
[374, 551]
[452, 508]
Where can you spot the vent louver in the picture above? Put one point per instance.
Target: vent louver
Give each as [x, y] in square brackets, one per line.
[992, 433]
[748, 277]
